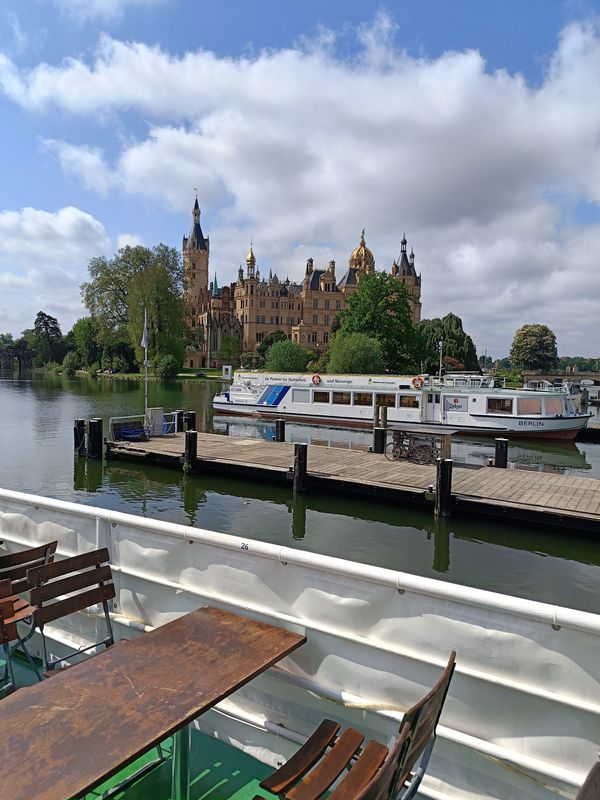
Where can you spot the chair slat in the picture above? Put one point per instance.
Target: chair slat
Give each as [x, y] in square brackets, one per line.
[382, 786]
[6, 588]
[364, 770]
[43, 551]
[329, 768]
[64, 567]
[77, 602]
[91, 577]
[303, 759]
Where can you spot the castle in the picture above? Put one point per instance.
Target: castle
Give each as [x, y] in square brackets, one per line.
[255, 306]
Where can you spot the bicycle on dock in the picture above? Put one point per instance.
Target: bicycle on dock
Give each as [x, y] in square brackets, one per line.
[412, 447]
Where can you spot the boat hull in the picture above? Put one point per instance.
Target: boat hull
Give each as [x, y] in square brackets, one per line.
[564, 429]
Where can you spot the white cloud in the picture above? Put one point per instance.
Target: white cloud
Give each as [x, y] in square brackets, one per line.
[301, 149]
[43, 260]
[128, 240]
[84, 10]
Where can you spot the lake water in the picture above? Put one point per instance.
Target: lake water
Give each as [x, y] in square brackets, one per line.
[36, 455]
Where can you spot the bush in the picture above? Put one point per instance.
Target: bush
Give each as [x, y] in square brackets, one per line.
[167, 368]
[355, 354]
[286, 356]
[71, 362]
[119, 364]
[249, 360]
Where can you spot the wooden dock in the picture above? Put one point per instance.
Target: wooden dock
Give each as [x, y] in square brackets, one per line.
[538, 497]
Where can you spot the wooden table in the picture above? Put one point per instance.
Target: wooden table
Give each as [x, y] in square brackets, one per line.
[62, 737]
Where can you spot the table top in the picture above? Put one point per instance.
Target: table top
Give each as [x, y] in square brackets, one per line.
[63, 736]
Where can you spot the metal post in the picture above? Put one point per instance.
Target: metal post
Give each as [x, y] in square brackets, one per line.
[179, 421]
[191, 451]
[95, 438]
[379, 437]
[79, 436]
[300, 466]
[280, 430]
[501, 459]
[180, 766]
[443, 487]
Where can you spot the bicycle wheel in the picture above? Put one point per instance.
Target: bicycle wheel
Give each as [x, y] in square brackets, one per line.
[421, 454]
[392, 451]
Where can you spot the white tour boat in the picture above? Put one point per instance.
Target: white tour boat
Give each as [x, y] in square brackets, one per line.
[469, 403]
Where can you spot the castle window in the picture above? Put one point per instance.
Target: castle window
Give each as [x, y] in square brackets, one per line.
[261, 303]
[326, 304]
[326, 337]
[326, 319]
[337, 305]
[315, 319]
[313, 337]
[193, 323]
[315, 303]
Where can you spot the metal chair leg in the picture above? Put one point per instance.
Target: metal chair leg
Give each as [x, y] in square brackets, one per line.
[8, 671]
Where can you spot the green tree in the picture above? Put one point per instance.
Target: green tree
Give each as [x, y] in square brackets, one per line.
[380, 308]
[154, 290]
[270, 339]
[286, 356]
[355, 353]
[167, 368]
[534, 347]
[49, 338]
[457, 344]
[84, 335]
[113, 297]
[71, 362]
[229, 351]
[6, 340]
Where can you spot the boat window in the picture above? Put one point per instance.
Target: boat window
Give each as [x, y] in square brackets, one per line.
[529, 405]
[388, 400]
[499, 405]
[320, 397]
[301, 395]
[408, 401]
[363, 399]
[554, 405]
[341, 398]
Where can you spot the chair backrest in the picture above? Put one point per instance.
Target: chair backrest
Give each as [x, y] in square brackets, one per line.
[591, 788]
[423, 719]
[48, 583]
[14, 566]
[381, 786]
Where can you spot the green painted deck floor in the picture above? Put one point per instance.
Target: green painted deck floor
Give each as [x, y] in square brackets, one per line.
[218, 771]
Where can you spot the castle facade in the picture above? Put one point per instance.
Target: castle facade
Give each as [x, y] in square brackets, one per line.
[255, 306]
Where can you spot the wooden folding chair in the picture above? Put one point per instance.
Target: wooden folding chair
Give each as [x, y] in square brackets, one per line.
[63, 587]
[14, 566]
[591, 788]
[315, 767]
[13, 609]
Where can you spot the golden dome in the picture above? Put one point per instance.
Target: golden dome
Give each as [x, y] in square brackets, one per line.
[250, 260]
[362, 257]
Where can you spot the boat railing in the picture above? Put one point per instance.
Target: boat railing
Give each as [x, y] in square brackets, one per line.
[140, 426]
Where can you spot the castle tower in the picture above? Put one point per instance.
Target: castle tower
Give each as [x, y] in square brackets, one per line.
[195, 258]
[361, 258]
[404, 270]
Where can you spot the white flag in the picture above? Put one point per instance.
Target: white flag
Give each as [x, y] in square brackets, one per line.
[144, 342]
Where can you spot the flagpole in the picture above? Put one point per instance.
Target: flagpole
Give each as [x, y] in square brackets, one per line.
[144, 344]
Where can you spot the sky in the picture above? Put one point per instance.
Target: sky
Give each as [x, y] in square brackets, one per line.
[473, 127]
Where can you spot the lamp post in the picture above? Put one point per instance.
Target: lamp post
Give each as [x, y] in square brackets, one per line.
[441, 351]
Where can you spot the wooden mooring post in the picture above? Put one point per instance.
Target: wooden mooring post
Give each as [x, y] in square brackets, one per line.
[443, 487]
[79, 436]
[280, 430]
[300, 467]
[501, 456]
[191, 451]
[94, 445]
[189, 420]
[179, 420]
